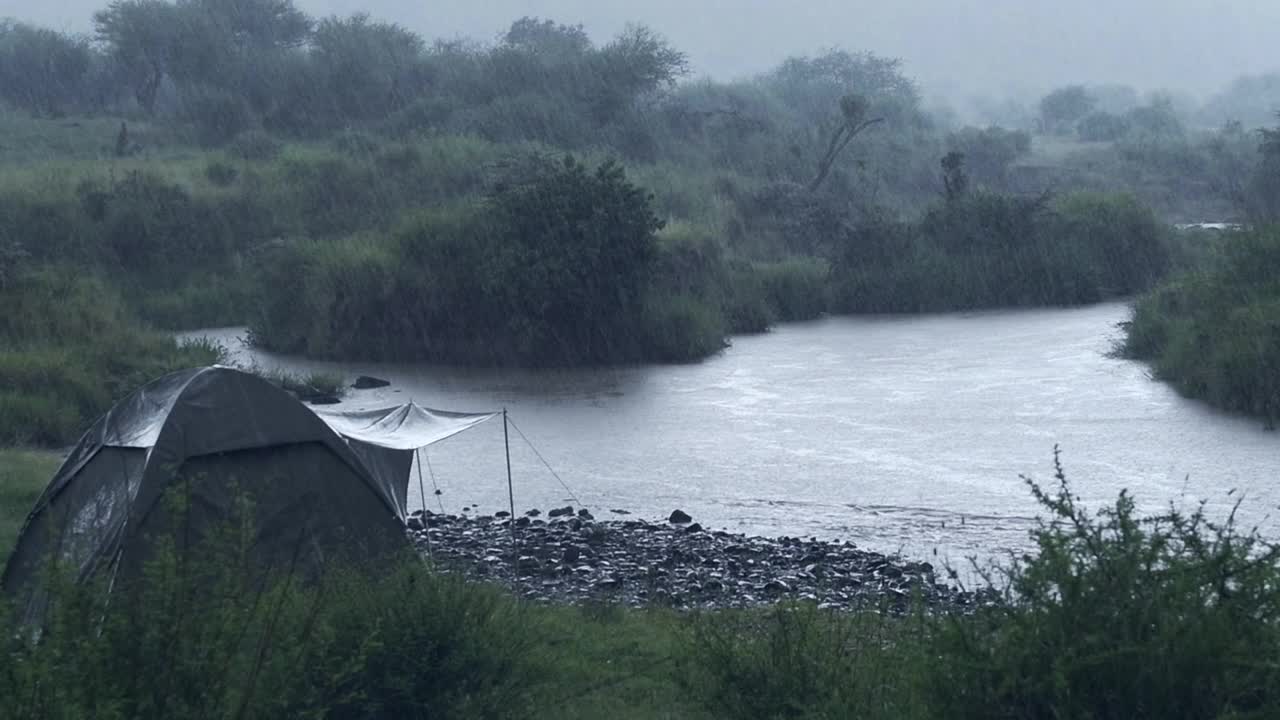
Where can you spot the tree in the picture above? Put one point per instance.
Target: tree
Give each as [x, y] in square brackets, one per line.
[1157, 118]
[575, 254]
[41, 71]
[369, 68]
[1264, 186]
[1061, 109]
[989, 152]
[955, 182]
[142, 37]
[1102, 127]
[853, 113]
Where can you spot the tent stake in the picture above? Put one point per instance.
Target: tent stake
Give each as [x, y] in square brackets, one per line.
[511, 497]
[422, 490]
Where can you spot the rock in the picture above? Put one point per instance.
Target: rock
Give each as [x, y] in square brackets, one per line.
[607, 583]
[561, 512]
[679, 517]
[365, 382]
[572, 553]
[620, 512]
[502, 514]
[534, 512]
[585, 515]
[414, 523]
[522, 522]
[776, 586]
[694, 528]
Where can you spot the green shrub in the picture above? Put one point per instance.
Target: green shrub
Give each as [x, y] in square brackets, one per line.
[198, 637]
[795, 289]
[254, 145]
[219, 116]
[680, 328]
[221, 174]
[1117, 615]
[1215, 334]
[68, 349]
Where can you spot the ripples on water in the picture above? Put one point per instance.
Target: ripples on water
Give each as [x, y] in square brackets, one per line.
[898, 433]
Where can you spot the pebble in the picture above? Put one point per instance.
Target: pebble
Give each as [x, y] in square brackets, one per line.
[574, 559]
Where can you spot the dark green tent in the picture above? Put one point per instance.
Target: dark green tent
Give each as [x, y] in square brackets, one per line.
[220, 435]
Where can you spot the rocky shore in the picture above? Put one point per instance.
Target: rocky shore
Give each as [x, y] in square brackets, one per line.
[569, 556]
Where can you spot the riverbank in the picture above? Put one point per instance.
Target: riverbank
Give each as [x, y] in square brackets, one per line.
[571, 557]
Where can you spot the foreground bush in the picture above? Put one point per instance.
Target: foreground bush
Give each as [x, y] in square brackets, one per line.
[1118, 615]
[200, 641]
[1113, 615]
[1215, 334]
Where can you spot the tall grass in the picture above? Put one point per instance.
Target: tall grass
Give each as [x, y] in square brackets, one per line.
[69, 348]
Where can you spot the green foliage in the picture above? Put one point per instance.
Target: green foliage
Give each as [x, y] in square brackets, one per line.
[253, 145]
[1102, 127]
[989, 152]
[549, 270]
[1215, 334]
[70, 349]
[988, 250]
[198, 637]
[1117, 615]
[1061, 109]
[42, 71]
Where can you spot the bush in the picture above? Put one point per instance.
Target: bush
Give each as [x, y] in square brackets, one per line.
[221, 174]
[68, 349]
[1215, 334]
[219, 116]
[795, 289]
[254, 145]
[680, 328]
[1117, 615]
[208, 640]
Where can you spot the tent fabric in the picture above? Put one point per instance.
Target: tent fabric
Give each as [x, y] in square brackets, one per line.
[98, 509]
[387, 438]
[403, 427]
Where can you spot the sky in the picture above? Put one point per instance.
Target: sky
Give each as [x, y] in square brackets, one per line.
[955, 49]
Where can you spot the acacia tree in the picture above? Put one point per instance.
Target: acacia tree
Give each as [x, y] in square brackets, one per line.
[853, 112]
[41, 70]
[369, 68]
[141, 37]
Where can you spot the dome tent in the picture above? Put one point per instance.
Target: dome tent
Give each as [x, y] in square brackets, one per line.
[220, 434]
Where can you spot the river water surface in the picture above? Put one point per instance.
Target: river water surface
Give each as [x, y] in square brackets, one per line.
[898, 433]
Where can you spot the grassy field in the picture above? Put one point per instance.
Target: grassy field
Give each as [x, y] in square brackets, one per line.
[23, 475]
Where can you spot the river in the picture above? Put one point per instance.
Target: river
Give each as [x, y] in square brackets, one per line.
[902, 434]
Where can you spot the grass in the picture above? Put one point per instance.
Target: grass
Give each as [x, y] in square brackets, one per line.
[23, 476]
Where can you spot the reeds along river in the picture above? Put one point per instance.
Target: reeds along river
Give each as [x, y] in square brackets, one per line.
[899, 433]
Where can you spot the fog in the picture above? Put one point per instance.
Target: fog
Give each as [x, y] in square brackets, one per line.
[954, 48]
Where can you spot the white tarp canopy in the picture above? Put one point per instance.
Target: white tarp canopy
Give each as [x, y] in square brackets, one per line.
[403, 427]
[386, 439]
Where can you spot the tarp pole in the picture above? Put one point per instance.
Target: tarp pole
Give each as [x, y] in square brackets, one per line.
[422, 491]
[511, 496]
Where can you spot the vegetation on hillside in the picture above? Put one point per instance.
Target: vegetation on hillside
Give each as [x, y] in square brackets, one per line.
[350, 189]
[1214, 332]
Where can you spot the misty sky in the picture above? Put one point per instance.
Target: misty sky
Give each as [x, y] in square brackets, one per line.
[955, 48]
